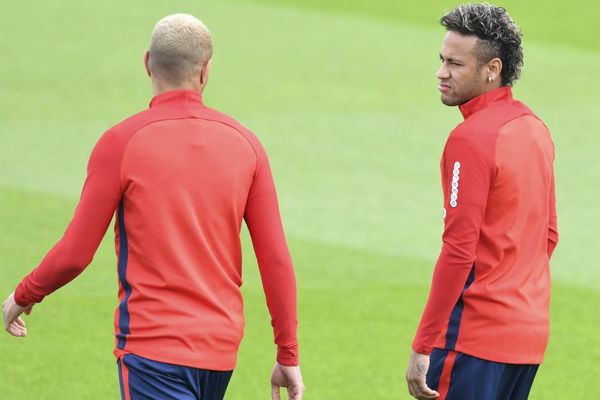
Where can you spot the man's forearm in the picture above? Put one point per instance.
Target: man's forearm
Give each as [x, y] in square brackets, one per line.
[277, 273]
[447, 285]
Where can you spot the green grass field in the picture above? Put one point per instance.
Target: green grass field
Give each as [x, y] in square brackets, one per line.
[343, 95]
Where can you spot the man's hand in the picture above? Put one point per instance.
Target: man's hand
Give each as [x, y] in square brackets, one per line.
[12, 322]
[415, 377]
[288, 377]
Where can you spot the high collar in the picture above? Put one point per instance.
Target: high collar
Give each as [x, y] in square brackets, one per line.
[502, 94]
[184, 97]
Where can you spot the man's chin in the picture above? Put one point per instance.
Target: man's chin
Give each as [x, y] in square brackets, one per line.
[450, 101]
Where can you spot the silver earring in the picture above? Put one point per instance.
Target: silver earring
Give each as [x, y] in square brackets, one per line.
[490, 79]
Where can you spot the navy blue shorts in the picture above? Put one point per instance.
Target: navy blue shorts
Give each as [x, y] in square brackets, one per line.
[458, 376]
[143, 379]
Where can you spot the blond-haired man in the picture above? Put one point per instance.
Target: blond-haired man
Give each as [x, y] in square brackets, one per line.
[180, 177]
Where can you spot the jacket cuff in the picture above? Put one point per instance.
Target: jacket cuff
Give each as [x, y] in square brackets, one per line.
[21, 297]
[288, 355]
[422, 348]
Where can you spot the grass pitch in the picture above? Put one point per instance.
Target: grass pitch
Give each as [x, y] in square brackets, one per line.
[343, 96]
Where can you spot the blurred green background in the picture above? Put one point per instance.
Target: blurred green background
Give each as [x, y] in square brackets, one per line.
[343, 96]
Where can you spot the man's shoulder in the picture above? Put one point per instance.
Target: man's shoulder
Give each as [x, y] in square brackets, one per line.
[217, 116]
[115, 138]
[131, 124]
[478, 133]
[488, 122]
[496, 115]
[482, 130]
[210, 114]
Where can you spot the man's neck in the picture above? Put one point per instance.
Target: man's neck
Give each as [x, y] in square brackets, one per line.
[160, 87]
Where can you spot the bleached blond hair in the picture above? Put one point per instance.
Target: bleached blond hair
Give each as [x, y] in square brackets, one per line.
[179, 46]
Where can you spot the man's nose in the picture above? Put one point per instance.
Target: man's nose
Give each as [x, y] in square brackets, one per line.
[443, 72]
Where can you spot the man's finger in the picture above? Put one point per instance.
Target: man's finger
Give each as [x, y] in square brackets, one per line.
[20, 321]
[296, 393]
[413, 389]
[275, 392]
[16, 330]
[424, 396]
[15, 326]
[425, 391]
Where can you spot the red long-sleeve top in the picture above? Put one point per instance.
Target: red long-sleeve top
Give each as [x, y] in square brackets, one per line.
[181, 177]
[491, 285]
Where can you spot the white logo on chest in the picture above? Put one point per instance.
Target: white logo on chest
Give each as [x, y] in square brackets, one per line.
[454, 186]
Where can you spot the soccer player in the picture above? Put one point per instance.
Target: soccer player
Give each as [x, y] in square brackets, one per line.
[180, 178]
[484, 330]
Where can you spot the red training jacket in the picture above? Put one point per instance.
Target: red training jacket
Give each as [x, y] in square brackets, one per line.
[181, 177]
[491, 285]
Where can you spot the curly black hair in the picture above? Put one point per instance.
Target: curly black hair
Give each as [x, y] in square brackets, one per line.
[498, 34]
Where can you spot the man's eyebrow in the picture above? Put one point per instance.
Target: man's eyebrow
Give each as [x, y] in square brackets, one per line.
[449, 59]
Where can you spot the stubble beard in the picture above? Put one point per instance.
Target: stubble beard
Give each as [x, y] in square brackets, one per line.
[472, 91]
[450, 101]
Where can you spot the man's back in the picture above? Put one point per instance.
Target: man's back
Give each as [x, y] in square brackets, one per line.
[185, 178]
[181, 177]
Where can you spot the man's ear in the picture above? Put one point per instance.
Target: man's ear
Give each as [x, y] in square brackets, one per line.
[205, 72]
[147, 62]
[494, 68]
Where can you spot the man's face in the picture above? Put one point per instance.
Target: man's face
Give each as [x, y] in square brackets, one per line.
[460, 74]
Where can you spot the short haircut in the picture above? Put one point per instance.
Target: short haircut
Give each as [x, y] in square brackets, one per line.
[498, 34]
[179, 46]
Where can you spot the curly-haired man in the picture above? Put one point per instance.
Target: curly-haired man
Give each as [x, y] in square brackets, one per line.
[484, 330]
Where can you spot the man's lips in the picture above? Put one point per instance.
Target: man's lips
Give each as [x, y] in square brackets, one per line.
[443, 87]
